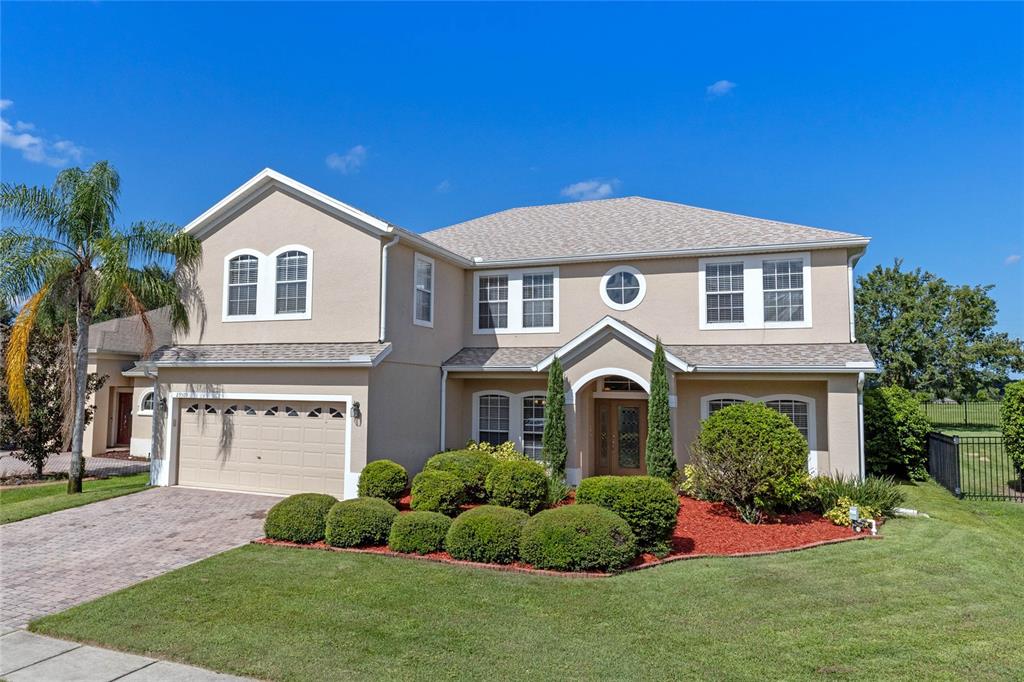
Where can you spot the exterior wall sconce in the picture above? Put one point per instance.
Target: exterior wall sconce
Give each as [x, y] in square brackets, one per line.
[357, 413]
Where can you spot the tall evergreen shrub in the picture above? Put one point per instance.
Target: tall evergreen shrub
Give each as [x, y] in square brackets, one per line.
[660, 456]
[1012, 413]
[553, 447]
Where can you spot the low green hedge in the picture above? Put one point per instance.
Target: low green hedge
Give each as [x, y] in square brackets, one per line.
[521, 484]
[488, 533]
[471, 466]
[649, 505]
[438, 491]
[421, 532]
[299, 518]
[361, 521]
[384, 479]
[578, 537]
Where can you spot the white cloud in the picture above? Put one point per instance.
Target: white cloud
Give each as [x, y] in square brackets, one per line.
[720, 88]
[36, 148]
[444, 186]
[1012, 259]
[349, 162]
[590, 189]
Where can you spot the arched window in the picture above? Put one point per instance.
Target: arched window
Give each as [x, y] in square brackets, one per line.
[243, 277]
[292, 271]
[146, 404]
[718, 403]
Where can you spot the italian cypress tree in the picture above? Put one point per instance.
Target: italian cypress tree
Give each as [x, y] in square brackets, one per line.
[553, 448]
[660, 457]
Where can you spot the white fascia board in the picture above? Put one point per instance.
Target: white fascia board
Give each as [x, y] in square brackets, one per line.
[268, 177]
[821, 369]
[480, 368]
[601, 325]
[479, 263]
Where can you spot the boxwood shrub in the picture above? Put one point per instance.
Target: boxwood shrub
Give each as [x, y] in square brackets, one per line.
[384, 479]
[471, 466]
[299, 518]
[360, 521]
[578, 537]
[488, 533]
[895, 433]
[647, 504]
[522, 485]
[421, 532]
[438, 491]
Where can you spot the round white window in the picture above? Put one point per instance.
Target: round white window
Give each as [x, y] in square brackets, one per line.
[623, 287]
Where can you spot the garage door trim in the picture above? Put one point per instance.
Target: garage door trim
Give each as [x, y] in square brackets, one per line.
[169, 475]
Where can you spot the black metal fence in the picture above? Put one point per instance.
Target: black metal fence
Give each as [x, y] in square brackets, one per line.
[974, 467]
[963, 414]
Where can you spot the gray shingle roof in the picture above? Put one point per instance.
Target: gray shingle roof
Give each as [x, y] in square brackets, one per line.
[128, 335]
[797, 355]
[616, 226]
[270, 353]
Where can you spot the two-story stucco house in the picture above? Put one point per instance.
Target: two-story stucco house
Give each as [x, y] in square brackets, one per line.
[324, 337]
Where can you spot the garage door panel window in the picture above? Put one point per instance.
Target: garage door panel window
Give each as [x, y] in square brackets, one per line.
[316, 412]
[337, 414]
[192, 409]
[271, 411]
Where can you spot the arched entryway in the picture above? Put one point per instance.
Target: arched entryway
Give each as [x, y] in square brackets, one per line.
[611, 422]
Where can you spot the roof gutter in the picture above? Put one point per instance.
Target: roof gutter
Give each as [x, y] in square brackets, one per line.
[384, 287]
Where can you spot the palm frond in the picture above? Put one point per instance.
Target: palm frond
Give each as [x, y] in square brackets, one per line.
[92, 201]
[41, 207]
[16, 360]
[27, 262]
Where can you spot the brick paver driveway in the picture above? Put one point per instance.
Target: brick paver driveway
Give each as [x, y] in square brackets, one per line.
[52, 562]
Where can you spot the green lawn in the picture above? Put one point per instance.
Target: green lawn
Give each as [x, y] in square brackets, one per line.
[24, 502]
[937, 598]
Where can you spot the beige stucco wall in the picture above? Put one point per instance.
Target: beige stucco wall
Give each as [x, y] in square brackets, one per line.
[345, 275]
[460, 392]
[670, 307]
[99, 431]
[142, 424]
[404, 415]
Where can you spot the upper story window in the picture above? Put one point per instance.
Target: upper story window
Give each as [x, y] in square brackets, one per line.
[515, 301]
[243, 282]
[755, 292]
[423, 291]
[292, 271]
[248, 275]
[623, 288]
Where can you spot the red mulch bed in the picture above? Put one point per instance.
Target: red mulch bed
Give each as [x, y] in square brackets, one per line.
[704, 529]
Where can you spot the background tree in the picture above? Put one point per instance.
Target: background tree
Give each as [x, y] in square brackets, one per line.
[659, 455]
[1012, 414]
[66, 251]
[930, 336]
[553, 447]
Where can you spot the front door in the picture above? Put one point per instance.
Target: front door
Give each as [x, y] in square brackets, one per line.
[621, 437]
[124, 418]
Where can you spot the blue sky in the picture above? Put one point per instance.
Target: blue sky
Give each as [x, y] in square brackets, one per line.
[902, 122]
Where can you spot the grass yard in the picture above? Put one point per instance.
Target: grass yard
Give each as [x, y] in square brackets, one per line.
[937, 598]
[24, 502]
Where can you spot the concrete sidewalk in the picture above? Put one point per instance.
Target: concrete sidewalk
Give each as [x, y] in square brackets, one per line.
[27, 657]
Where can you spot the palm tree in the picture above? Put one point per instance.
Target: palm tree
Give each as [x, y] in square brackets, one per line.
[67, 253]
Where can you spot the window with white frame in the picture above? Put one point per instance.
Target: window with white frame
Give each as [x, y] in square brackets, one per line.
[724, 287]
[146, 404]
[515, 301]
[539, 300]
[721, 403]
[243, 281]
[423, 291]
[291, 282]
[796, 410]
[493, 420]
[783, 290]
[533, 426]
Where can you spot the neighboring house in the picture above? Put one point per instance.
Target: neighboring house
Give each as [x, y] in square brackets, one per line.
[323, 337]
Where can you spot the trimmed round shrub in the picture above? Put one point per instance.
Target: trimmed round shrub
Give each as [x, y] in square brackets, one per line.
[361, 521]
[1012, 415]
[578, 537]
[647, 504]
[438, 491]
[895, 433]
[419, 531]
[384, 479]
[520, 484]
[487, 533]
[471, 466]
[752, 458]
[299, 518]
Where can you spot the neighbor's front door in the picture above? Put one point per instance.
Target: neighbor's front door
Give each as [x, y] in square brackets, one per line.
[621, 437]
[124, 418]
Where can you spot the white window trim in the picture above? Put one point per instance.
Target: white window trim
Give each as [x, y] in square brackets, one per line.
[753, 292]
[812, 417]
[515, 413]
[623, 306]
[146, 413]
[266, 286]
[417, 258]
[515, 301]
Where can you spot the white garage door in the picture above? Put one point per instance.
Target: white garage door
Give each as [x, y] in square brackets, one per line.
[261, 446]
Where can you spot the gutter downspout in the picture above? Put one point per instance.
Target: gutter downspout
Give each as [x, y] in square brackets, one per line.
[851, 263]
[860, 424]
[384, 287]
[444, 406]
[155, 472]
